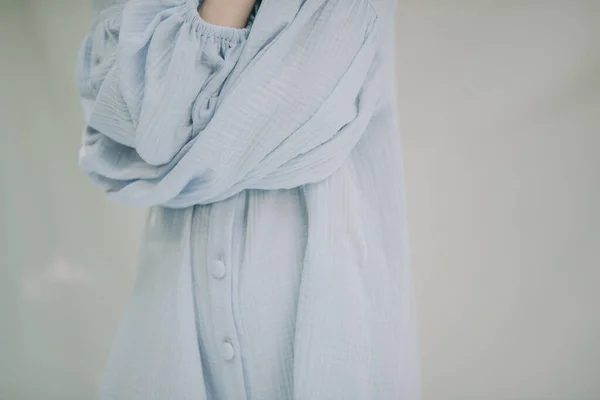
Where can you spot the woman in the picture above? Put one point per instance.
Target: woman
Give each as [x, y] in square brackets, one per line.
[263, 139]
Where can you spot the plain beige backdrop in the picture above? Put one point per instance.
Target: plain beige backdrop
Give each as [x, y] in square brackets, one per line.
[500, 124]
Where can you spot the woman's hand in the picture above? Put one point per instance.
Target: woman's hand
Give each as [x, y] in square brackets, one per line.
[232, 13]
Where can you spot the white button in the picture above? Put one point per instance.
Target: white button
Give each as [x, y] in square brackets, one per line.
[228, 350]
[218, 269]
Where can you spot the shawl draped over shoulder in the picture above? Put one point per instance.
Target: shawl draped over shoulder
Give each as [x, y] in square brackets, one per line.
[180, 114]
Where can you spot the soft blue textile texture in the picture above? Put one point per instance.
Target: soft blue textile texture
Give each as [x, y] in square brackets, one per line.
[274, 263]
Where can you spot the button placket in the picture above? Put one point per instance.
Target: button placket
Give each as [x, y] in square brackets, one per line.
[220, 270]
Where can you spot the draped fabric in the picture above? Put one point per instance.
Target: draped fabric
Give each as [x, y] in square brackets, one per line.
[164, 131]
[191, 118]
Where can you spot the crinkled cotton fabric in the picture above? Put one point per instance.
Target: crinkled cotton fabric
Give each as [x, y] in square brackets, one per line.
[274, 263]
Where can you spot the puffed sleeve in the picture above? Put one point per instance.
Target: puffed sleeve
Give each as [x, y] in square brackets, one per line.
[152, 66]
[181, 112]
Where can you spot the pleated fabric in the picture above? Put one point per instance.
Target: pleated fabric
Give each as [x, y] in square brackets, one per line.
[274, 263]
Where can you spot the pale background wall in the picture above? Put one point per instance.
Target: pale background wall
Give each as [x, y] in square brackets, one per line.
[500, 105]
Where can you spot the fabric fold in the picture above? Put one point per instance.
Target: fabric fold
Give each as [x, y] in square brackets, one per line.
[162, 131]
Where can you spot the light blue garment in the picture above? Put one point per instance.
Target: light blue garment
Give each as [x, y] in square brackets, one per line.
[274, 263]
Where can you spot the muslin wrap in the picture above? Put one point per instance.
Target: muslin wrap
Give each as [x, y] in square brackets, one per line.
[172, 122]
